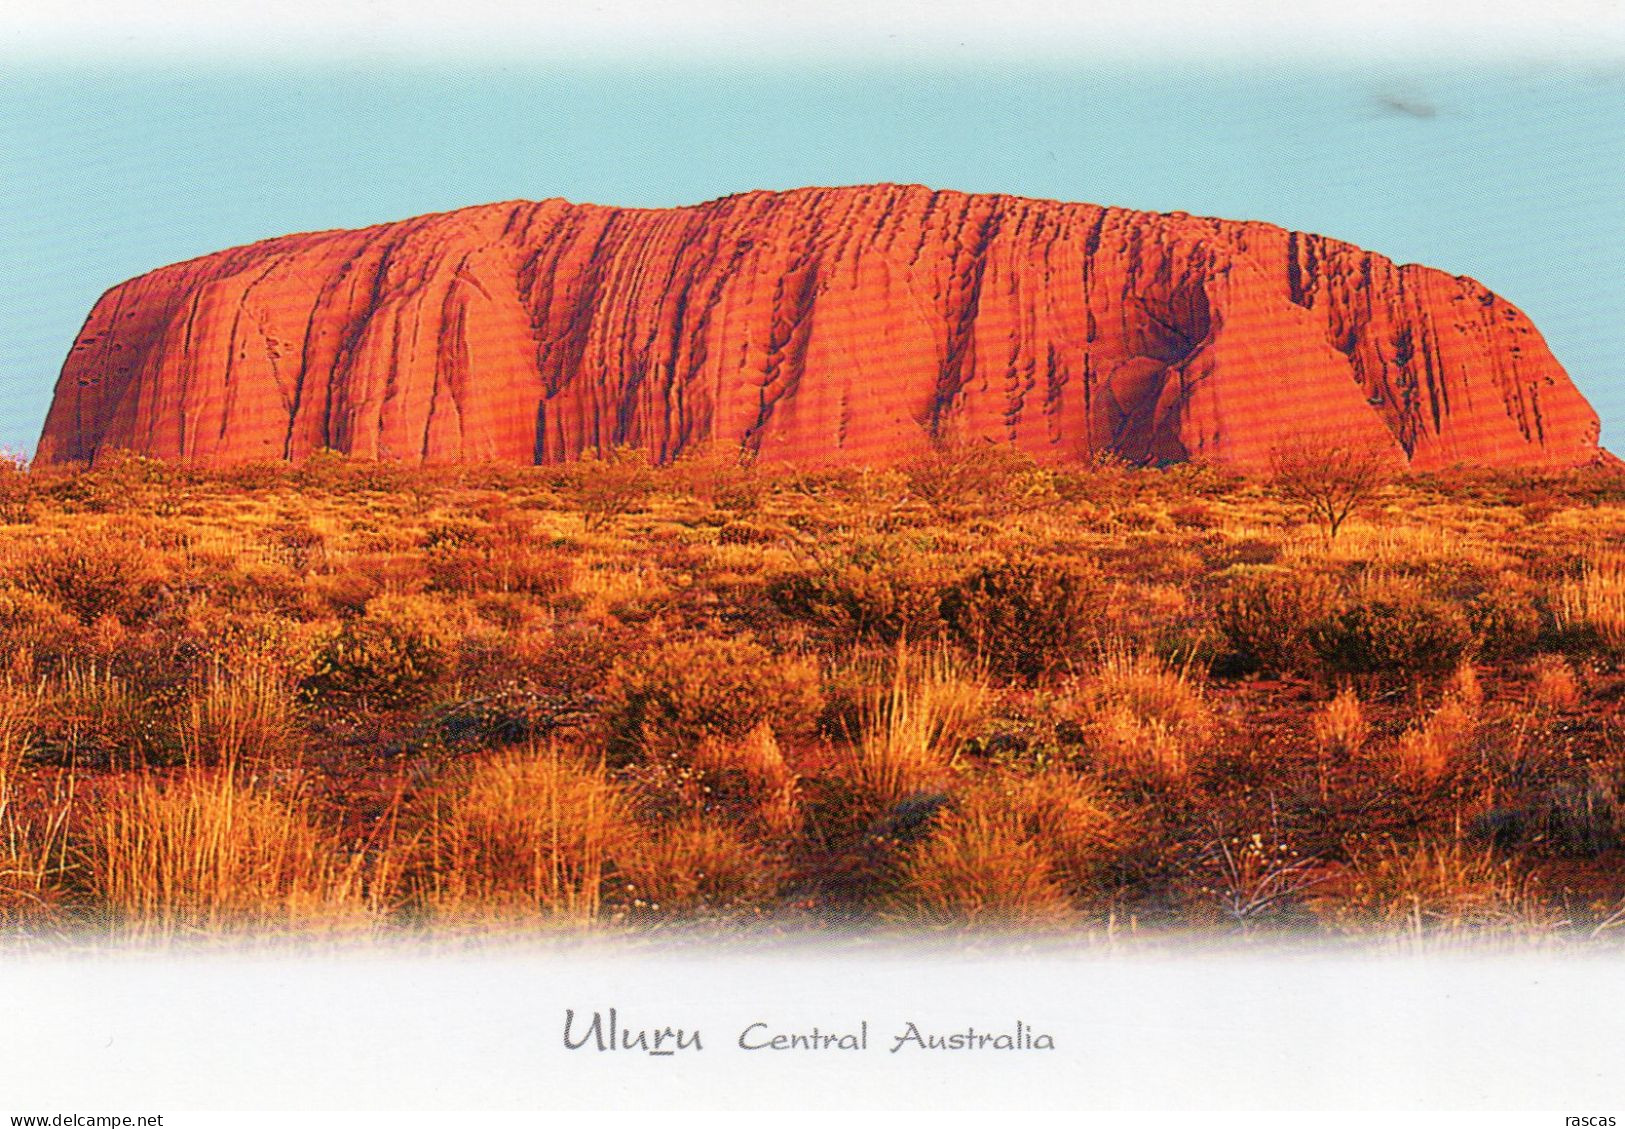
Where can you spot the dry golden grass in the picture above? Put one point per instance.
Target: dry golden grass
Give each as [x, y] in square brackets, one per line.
[1552, 685]
[911, 729]
[529, 832]
[1147, 718]
[238, 716]
[1439, 887]
[31, 848]
[206, 851]
[335, 625]
[1010, 853]
[1596, 600]
[980, 868]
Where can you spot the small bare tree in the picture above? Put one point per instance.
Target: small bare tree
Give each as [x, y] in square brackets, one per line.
[1331, 479]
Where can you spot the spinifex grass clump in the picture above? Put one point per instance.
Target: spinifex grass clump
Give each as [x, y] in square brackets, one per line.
[913, 725]
[1022, 851]
[31, 842]
[238, 717]
[209, 851]
[1595, 601]
[1435, 886]
[1147, 720]
[526, 831]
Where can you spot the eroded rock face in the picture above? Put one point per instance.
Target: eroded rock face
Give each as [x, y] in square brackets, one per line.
[821, 325]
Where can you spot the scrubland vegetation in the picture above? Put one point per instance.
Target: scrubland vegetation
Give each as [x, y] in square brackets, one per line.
[363, 700]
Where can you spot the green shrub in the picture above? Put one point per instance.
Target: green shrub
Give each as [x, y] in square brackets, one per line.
[1395, 633]
[868, 594]
[691, 691]
[1266, 614]
[1026, 616]
[393, 654]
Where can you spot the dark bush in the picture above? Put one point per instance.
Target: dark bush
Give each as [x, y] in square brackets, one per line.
[392, 655]
[1396, 635]
[1027, 617]
[862, 596]
[690, 691]
[1266, 614]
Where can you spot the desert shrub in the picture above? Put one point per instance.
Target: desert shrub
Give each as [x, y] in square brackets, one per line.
[1026, 617]
[122, 481]
[31, 622]
[32, 865]
[524, 831]
[1392, 630]
[468, 557]
[613, 485]
[335, 472]
[32, 858]
[696, 866]
[986, 476]
[208, 851]
[1082, 831]
[243, 584]
[722, 474]
[688, 692]
[93, 576]
[393, 654]
[1267, 614]
[980, 868]
[866, 592]
[510, 712]
[1504, 618]
[1582, 817]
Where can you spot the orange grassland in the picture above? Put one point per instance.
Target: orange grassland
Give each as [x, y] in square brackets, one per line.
[364, 700]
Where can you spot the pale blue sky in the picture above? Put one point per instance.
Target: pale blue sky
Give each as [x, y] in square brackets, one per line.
[1507, 171]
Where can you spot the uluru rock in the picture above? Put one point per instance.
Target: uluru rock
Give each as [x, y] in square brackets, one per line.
[822, 325]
